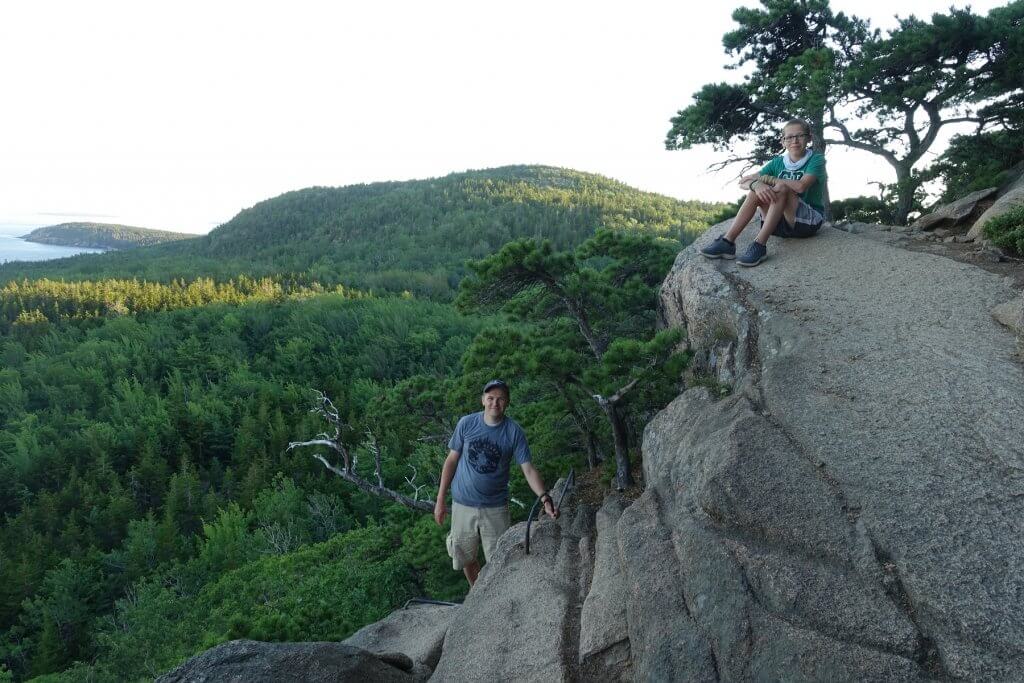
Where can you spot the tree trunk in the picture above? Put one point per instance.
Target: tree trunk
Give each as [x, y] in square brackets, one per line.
[904, 195]
[623, 476]
[594, 455]
[818, 133]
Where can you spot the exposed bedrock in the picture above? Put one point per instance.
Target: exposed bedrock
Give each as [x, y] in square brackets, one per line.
[853, 510]
[521, 620]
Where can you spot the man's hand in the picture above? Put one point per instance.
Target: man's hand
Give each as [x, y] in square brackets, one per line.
[549, 508]
[447, 474]
[440, 511]
[537, 485]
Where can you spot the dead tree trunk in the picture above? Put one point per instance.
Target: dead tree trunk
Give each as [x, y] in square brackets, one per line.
[623, 476]
[610, 406]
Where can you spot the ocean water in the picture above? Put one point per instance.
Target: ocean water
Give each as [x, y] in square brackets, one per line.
[13, 248]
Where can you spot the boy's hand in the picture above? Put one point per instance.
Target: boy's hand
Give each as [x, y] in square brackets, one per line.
[764, 192]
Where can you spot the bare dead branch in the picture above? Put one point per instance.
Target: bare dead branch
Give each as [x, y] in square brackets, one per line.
[424, 505]
[371, 443]
[619, 395]
[411, 481]
[280, 539]
[326, 409]
[315, 442]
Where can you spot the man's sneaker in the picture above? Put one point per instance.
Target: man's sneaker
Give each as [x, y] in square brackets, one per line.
[754, 254]
[719, 249]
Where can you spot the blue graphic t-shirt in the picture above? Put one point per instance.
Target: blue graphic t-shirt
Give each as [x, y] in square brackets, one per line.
[481, 478]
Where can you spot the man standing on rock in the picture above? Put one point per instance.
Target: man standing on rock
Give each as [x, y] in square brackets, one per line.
[479, 481]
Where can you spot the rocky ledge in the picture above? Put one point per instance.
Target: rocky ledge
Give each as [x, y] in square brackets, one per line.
[852, 510]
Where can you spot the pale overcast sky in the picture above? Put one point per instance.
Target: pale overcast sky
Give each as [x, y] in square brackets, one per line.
[180, 114]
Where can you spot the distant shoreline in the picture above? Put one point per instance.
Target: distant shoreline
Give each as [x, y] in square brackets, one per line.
[16, 249]
[58, 242]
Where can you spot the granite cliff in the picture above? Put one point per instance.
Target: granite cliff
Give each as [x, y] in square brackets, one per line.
[838, 497]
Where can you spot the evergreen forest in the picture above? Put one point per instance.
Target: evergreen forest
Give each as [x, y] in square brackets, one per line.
[152, 507]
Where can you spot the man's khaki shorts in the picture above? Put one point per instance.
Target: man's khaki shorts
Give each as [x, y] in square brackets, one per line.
[470, 526]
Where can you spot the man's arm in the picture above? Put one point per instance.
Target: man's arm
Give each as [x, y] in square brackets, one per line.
[447, 474]
[536, 483]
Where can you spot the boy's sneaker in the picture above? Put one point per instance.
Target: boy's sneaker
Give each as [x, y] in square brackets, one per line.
[754, 254]
[719, 249]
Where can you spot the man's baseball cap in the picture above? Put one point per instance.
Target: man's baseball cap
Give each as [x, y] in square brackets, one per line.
[497, 384]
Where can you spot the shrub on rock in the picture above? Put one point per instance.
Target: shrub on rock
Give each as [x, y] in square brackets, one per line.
[1007, 231]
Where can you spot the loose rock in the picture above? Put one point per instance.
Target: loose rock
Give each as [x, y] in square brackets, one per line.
[1013, 197]
[249, 661]
[417, 631]
[961, 212]
[1011, 314]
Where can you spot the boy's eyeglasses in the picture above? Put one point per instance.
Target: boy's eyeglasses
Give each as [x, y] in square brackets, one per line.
[793, 138]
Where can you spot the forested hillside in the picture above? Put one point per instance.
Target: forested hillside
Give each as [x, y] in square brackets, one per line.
[397, 236]
[102, 236]
[124, 439]
[147, 399]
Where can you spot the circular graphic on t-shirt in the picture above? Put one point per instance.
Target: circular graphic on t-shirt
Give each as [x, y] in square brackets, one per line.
[484, 455]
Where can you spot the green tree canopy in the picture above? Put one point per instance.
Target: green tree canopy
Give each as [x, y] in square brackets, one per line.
[976, 161]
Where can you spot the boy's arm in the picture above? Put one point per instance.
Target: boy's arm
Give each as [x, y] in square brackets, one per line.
[747, 179]
[798, 186]
[814, 172]
[752, 178]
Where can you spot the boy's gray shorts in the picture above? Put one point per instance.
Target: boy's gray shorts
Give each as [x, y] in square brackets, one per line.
[808, 220]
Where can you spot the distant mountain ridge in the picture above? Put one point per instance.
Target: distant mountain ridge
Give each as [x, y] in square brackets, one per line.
[102, 236]
[397, 236]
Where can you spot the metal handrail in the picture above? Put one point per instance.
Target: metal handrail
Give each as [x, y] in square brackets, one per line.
[428, 601]
[570, 480]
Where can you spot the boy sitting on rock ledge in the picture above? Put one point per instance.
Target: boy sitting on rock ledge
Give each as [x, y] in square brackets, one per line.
[788, 192]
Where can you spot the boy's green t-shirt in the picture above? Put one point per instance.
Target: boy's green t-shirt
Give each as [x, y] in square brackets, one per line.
[814, 164]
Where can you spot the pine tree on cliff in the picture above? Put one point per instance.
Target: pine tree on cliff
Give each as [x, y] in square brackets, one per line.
[587, 318]
[886, 95]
